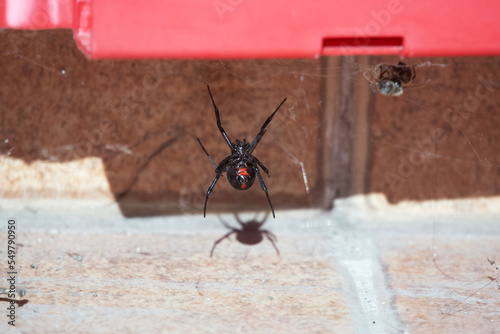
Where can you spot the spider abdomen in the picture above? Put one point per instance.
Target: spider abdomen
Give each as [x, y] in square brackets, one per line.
[389, 87]
[241, 177]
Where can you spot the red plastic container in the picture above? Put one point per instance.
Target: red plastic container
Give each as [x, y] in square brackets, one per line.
[262, 29]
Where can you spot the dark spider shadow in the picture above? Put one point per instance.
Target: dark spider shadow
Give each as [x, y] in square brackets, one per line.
[250, 233]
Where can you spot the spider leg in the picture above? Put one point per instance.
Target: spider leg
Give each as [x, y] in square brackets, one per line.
[383, 70]
[261, 165]
[215, 243]
[218, 171]
[219, 125]
[208, 193]
[271, 237]
[263, 129]
[208, 155]
[263, 185]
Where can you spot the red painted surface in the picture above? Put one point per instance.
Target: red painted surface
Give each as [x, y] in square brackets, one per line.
[259, 28]
[36, 14]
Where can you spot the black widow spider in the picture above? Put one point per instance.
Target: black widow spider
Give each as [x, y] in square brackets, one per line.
[241, 166]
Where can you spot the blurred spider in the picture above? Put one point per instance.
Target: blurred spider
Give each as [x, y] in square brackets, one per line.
[390, 79]
[241, 166]
[249, 234]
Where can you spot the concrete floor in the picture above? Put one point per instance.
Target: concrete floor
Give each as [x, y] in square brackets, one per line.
[87, 269]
